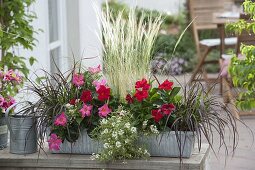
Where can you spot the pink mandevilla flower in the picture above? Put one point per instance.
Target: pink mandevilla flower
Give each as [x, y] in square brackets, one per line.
[78, 79]
[99, 83]
[86, 110]
[1, 74]
[12, 76]
[61, 120]
[11, 101]
[2, 102]
[95, 70]
[104, 110]
[54, 142]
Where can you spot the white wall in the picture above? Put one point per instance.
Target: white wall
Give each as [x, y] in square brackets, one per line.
[169, 6]
[89, 28]
[40, 51]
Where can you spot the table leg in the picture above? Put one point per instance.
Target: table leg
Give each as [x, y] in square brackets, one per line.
[222, 46]
[222, 37]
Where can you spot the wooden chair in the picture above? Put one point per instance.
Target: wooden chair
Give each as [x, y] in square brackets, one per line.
[244, 38]
[202, 11]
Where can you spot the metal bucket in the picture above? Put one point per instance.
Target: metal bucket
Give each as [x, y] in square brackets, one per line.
[3, 132]
[23, 133]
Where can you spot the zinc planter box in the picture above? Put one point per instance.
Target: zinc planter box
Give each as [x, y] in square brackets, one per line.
[84, 145]
[167, 144]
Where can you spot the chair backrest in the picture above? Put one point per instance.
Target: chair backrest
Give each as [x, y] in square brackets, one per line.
[247, 38]
[202, 11]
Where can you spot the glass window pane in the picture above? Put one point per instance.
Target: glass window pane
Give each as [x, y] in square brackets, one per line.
[54, 60]
[53, 20]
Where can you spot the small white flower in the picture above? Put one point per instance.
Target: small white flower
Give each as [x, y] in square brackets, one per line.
[106, 145]
[145, 124]
[121, 132]
[146, 152]
[104, 121]
[113, 124]
[123, 112]
[68, 105]
[127, 125]
[127, 141]
[114, 134]
[154, 129]
[105, 131]
[118, 144]
[133, 129]
[94, 156]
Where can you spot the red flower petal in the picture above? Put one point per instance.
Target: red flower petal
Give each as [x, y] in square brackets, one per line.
[103, 93]
[167, 109]
[166, 85]
[157, 116]
[142, 84]
[129, 99]
[141, 95]
[86, 96]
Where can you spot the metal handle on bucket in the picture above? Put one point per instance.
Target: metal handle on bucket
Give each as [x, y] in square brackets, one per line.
[7, 118]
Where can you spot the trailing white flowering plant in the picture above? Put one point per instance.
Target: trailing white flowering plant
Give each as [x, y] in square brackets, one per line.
[118, 136]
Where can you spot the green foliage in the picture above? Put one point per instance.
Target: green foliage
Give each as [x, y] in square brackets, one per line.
[158, 99]
[15, 23]
[242, 71]
[119, 136]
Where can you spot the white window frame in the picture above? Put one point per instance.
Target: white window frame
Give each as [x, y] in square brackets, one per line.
[61, 43]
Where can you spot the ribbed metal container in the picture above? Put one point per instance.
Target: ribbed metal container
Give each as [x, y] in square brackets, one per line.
[3, 132]
[84, 145]
[167, 144]
[23, 135]
[22, 127]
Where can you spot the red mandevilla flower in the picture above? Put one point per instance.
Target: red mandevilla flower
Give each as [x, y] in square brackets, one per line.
[72, 101]
[129, 99]
[103, 93]
[156, 114]
[142, 84]
[166, 85]
[86, 96]
[167, 109]
[140, 95]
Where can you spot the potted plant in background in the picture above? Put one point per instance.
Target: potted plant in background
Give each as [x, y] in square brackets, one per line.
[71, 106]
[10, 82]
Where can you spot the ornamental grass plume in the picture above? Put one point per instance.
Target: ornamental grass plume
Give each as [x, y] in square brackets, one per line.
[128, 47]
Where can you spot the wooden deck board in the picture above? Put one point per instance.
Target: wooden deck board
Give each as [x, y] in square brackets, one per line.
[68, 161]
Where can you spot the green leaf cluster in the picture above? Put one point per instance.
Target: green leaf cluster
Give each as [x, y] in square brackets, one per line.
[16, 31]
[242, 70]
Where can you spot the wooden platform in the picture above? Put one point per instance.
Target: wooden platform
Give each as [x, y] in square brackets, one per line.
[50, 161]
